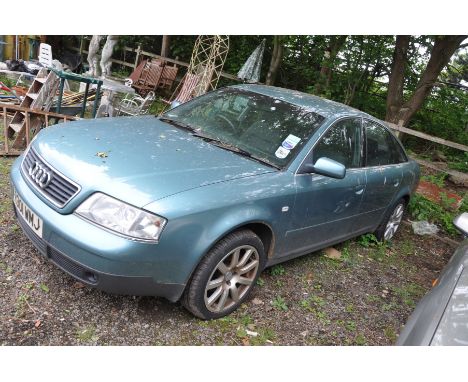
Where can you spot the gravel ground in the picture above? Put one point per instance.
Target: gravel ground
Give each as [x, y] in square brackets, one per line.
[362, 298]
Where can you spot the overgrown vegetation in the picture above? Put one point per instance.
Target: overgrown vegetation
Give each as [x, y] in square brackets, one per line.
[443, 214]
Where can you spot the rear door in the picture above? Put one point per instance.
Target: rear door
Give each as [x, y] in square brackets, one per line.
[384, 171]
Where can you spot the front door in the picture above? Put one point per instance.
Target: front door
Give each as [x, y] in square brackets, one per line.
[326, 208]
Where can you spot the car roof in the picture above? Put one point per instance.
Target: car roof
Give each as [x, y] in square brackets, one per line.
[322, 106]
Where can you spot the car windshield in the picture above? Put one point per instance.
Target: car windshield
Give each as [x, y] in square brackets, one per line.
[264, 128]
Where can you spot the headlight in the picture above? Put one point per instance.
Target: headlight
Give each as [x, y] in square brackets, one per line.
[121, 218]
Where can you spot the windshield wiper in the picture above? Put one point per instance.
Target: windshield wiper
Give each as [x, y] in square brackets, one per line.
[177, 123]
[235, 149]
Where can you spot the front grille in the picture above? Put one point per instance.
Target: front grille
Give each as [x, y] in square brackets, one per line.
[60, 190]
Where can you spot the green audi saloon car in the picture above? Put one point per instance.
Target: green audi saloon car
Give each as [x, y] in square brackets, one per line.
[194, 204]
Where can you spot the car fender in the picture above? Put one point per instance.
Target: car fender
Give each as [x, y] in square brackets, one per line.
[199, 218]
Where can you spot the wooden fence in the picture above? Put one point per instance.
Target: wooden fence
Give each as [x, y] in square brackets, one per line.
[46, 116]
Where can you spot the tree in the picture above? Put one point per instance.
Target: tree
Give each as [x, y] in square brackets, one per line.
[166, 41]
[400, 110]
[329, 57]
[276, 58]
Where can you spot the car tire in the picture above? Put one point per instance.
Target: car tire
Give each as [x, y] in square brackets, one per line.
[391, 221]
[225, 276]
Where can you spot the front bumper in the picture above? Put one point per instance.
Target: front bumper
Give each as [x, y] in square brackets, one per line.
[93, 256]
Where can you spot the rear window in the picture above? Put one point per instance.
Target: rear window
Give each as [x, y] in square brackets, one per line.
[382, 147]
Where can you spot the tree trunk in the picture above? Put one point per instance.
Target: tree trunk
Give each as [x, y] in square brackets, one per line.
[166, 42]
[334, 46]
[399, 111]
[276, 58]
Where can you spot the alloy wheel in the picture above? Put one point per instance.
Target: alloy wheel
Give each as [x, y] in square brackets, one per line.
[394, 221]
[232, 278]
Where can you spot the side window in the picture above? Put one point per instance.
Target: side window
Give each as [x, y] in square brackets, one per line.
[342, 142]
[382, 149]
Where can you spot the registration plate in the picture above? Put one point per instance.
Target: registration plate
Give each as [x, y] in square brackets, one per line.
[31, 219]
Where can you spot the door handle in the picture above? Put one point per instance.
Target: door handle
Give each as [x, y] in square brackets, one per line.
[359, 190]
[396, 183]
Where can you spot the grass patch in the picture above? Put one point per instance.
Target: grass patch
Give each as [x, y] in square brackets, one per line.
[409, 293]
[87, 334]
[277, 270]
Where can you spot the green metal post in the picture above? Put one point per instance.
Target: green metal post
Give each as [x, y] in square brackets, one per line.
[96, 100]
[59, 101]
[84, 100]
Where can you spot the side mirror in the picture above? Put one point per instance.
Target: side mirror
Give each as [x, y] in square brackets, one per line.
[327, 167]
[461, 222]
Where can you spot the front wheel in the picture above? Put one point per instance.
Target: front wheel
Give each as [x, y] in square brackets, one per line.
[225, 276]
[391, 222]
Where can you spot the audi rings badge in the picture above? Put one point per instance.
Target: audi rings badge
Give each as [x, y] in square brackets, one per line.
[40, 174]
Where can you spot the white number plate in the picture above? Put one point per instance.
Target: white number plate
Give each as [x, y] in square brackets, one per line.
[32, 220]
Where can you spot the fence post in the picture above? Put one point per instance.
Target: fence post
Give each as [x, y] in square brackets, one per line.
[138, 51]
[5, 129]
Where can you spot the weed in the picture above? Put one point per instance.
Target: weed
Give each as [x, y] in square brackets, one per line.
[260, 282]
[279, 303]
[349, 308]
[360, 340]
[313, 305]
[350, 325]
[408, 247]
[279, 283]
[409, 293]
[390, 333]
[264, 335]
[438, 180]
[380, 251]
[277, 270]
[389, 306]
[44, 288]
[372, 298]
[87, 335]
[422, 208]
[241, 332]
[368, 240]
[21, 304]
[246, 320]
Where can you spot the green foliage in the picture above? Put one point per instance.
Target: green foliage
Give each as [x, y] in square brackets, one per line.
[390, 334]
[277, 270]
[260, 282]
[438, 180]
[7, 81]
[409, 293]
[44, 288]
[458, 162]
[87, 334]
[422, 208]
[368, 240]
[280, 303]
